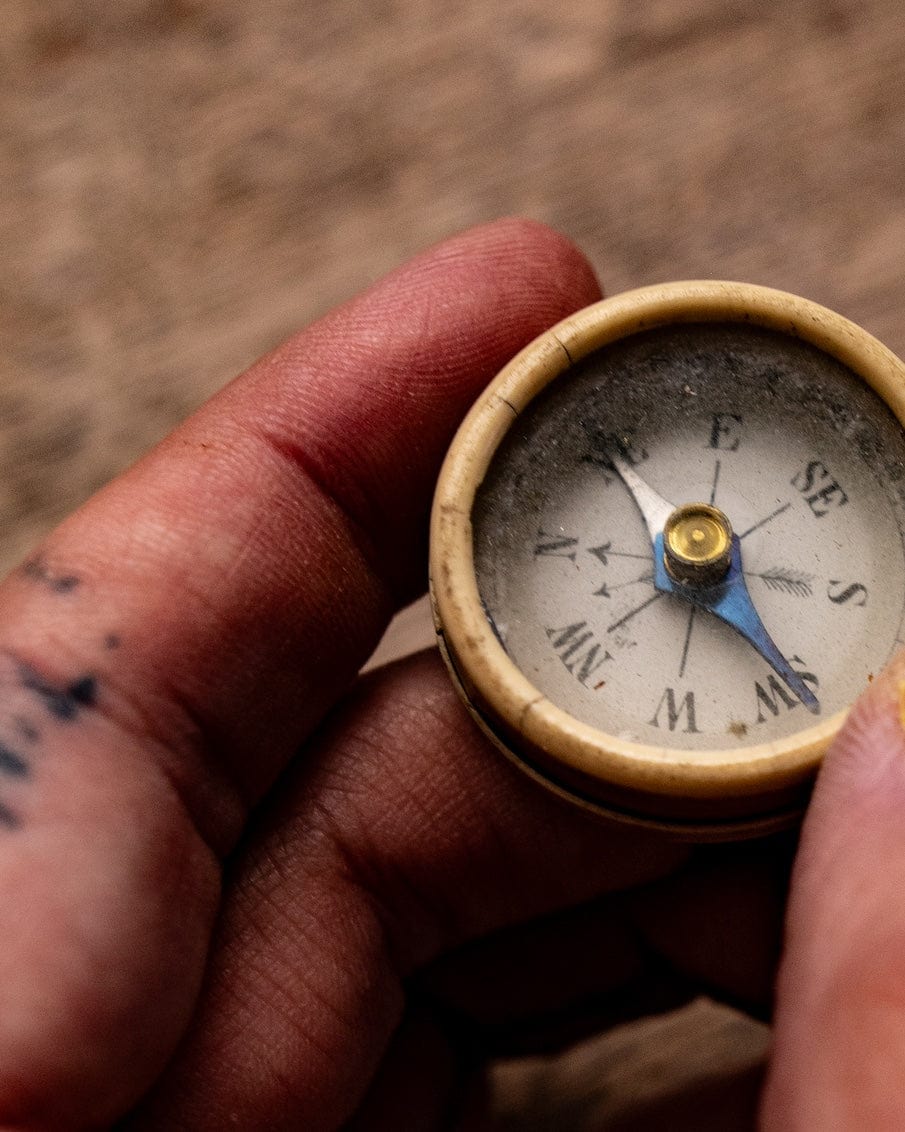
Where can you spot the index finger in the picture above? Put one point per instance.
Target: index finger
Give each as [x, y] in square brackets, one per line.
[168, 647]
[240, 574]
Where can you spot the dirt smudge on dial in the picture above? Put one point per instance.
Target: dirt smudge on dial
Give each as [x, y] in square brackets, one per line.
[738, 729]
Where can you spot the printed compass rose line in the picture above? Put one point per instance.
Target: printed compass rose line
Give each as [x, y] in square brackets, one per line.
[795, 582]
[684, 660]
[605, 590]
[716, 480]
[763, 522]
[603, 552]
[634, 612]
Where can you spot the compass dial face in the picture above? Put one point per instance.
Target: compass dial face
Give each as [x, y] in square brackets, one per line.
[805, 461]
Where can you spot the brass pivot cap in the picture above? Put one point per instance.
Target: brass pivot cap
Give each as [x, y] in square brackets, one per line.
[697, 544]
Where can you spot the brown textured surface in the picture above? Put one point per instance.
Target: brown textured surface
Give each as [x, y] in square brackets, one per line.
[185, 182]
[697, 1069]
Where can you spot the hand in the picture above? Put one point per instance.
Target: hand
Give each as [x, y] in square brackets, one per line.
[236, 877]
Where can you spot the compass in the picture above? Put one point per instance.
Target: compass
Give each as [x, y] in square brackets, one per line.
[668, 551]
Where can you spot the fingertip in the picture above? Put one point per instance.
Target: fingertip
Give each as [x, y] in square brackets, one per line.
[544, 254]
[528, 274]
[369, 398]
[863, 772]
[853, 839]
[840, 1024]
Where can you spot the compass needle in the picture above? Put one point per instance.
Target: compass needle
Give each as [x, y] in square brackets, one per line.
[652, 506]
[703, 701]
[697, 559]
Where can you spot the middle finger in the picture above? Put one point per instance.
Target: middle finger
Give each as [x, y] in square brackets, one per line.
[402, 837]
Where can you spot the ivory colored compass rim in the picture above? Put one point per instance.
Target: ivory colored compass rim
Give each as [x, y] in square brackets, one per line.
[716, 793]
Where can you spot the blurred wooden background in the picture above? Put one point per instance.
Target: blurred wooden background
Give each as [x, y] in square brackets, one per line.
[183, 182]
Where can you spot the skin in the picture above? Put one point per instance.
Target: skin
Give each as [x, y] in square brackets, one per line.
[244, 889]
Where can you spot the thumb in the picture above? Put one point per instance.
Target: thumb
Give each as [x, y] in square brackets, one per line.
[839, 1060]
